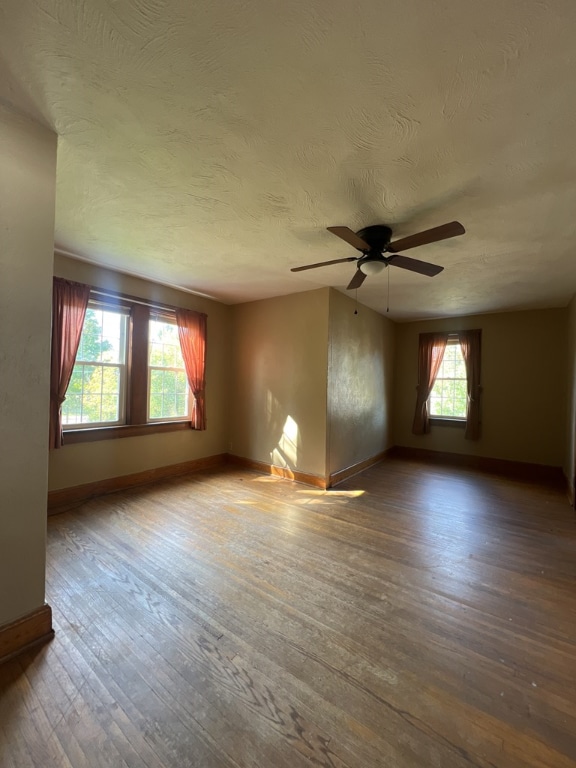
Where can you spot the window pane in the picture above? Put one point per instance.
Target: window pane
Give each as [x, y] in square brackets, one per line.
[460, 408]
[460, 389]
[169, 406]
[169, 382]
[156, 406]
[156, 382]
[448, 408]
[72, 409]
[75, 386]
[460, 368]
[109, 407]
[448, 368]
[91, 408]
[102, 337]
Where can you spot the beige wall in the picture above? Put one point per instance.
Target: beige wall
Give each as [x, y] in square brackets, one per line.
[570, 452]
[360, 383]
[27, 192]
[300, 381]
[89, 462]
[280, 363]
[523, 381]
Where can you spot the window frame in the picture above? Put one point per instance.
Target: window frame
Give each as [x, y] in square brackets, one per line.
[123, 310]
[452, 421]
[136, 402]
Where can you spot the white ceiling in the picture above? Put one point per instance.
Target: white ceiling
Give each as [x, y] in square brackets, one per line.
[209, 144]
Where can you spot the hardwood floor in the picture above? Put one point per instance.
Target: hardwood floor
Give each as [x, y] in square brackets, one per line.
[415, 616]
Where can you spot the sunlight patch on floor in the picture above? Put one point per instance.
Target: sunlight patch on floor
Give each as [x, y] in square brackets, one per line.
[332, 494]
[315, 498]
[267, 479]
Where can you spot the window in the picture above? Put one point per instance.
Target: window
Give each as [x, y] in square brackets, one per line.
[168, 391]
[448, 395]
[129, 376]
[96, 392]
[448, 386]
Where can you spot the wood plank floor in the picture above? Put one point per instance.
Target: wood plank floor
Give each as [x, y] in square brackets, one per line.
[417, 616]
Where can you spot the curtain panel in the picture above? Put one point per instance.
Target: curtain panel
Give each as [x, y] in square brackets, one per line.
[192, 335]
[69, 304]
[470, 342]
[430, 354]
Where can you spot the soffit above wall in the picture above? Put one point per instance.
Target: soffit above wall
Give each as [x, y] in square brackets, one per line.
[209, 145]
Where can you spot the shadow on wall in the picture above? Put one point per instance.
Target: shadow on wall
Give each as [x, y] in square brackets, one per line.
[284, 451]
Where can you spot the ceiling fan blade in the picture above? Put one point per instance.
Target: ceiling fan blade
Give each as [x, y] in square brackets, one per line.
[444, 232]
[350, 237]
[415, 265]
[322, 264]
[356, 281]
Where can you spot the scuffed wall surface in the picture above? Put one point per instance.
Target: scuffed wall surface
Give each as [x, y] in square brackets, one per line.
[523, 387]
[280, 364]
[90, 462]
[360, 383]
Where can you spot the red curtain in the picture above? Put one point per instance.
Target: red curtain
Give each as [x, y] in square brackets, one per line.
[69, 303]
[192, 334]
[430, 354]
[470, 345]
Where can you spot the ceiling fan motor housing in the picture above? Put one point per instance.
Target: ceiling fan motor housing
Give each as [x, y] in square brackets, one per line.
[377, 236]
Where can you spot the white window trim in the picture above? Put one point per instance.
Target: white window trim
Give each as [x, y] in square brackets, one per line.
[453, 339]
[122, 367]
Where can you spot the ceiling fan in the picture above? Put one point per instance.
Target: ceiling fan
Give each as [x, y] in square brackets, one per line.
[374, 243]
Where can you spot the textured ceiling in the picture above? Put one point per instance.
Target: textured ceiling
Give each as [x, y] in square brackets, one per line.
[209, 144]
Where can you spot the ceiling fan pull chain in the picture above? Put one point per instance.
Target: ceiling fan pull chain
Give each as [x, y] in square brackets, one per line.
[388, 293]
[356, 307]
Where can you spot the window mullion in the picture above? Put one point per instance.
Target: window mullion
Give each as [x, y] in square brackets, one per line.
[138, 370]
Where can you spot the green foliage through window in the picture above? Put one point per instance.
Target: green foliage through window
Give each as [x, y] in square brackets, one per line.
[449, 394]
[168, 386]
[94, 395]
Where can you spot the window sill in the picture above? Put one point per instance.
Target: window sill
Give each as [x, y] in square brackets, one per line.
[76, 436]
[443, 421]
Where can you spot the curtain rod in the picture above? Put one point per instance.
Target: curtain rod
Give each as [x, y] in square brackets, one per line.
[133, 299]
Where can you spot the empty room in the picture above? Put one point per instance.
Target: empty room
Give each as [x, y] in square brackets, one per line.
[287, 384]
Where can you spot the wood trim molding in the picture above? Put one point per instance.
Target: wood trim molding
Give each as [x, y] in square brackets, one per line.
[520, 469]
[354, 469]
[63, 498]
[27, 631]
[271, 469]
[76, 436]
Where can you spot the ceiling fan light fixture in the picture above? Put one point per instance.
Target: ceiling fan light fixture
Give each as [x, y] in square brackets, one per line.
[372, 267]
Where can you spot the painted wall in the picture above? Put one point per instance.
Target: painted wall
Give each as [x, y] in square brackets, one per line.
[570, 453]
[360, 382]
[523, 387]
[89, 462]
[27, 193]
[280, 363]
